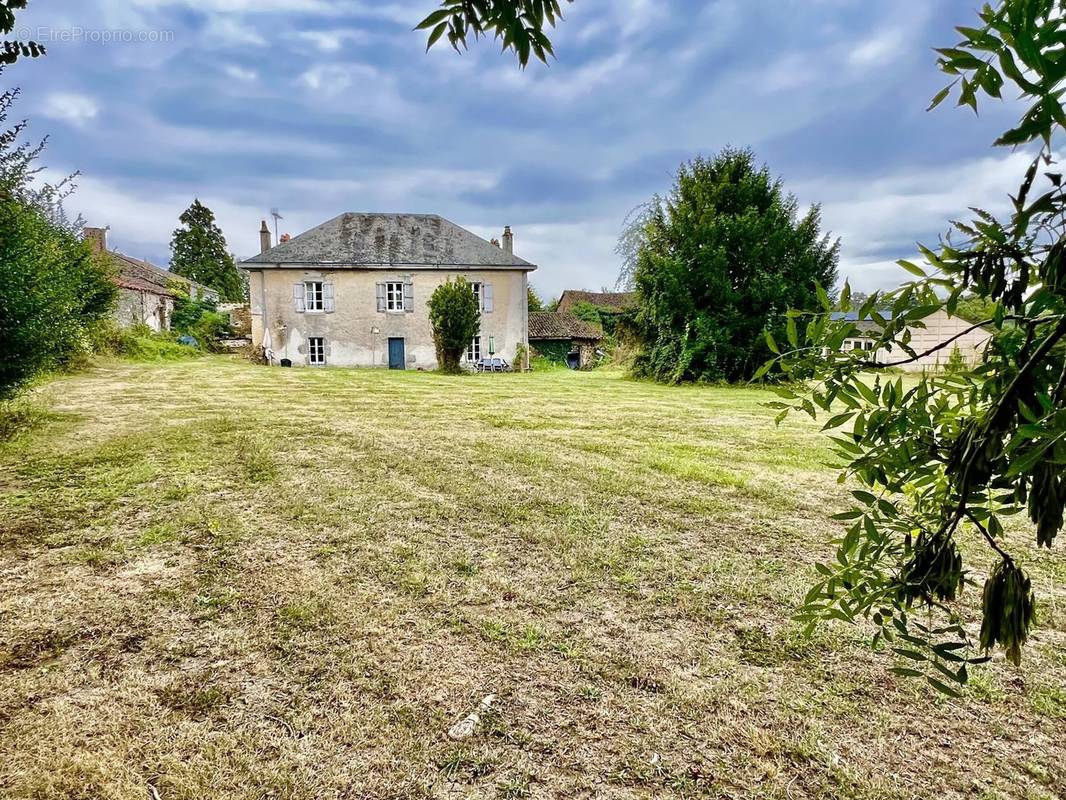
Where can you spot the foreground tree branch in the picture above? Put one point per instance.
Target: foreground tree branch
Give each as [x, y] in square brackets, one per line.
[979, 446]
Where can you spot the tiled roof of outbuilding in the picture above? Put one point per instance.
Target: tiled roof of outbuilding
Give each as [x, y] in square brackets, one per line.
[549, 325]
[145, 276]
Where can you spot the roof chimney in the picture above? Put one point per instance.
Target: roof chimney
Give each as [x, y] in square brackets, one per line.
[97, 239]
[264, 237]
[508, 240]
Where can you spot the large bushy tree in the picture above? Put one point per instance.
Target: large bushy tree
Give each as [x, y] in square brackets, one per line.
[724, 258]
[977, 453]
[199, 252]
[53, 289]
[456, 320]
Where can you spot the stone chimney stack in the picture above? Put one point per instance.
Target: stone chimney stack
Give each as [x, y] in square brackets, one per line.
[264, 237]
[97, 239]
[508, 240]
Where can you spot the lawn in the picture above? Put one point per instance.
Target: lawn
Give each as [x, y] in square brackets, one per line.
[223, 581]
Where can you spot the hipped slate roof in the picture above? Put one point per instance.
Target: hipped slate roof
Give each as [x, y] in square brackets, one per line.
[376, 240]
[549, 325]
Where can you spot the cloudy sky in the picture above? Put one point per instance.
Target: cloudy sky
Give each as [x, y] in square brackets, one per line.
[324, 106]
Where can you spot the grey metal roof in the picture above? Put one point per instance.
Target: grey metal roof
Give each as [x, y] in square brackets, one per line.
[375, 240]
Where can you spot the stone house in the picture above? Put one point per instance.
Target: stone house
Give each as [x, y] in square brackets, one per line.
[939, 328]
[564, 338]
[146, 293]
[355, 290]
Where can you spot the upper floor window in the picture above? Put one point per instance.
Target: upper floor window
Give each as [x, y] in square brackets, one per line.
[394, 297]
[314, 296]
[483, 295]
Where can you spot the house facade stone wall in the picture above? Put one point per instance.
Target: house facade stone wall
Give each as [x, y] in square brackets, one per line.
[356, 334]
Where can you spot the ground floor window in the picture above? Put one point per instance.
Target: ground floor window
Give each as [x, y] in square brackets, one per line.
[473, 353]
[858, 344]
[316, 351]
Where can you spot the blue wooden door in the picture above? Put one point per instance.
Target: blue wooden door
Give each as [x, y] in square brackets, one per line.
[397, 357]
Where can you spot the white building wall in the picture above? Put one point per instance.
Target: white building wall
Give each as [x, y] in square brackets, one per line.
[939, 328]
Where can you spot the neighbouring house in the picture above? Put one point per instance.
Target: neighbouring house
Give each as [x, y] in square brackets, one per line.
[146, 292]
[355, 291]
[940, 329]
[564, 338]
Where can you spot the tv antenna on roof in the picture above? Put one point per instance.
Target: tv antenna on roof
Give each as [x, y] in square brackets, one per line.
[276, 215]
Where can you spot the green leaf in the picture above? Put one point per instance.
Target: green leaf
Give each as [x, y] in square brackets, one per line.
[940, 97]
[437, 33]
[823, 298]
[906, 672]
[434, 19]
[943, 688]
[912, 268]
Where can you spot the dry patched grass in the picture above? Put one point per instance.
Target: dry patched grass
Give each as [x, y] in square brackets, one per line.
[218, 580]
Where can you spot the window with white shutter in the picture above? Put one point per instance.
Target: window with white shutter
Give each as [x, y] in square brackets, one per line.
[298, 297]
[486, 298]
[329, 305]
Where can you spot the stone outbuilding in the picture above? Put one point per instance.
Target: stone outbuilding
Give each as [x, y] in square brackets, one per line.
[564, 338]
[146, 293]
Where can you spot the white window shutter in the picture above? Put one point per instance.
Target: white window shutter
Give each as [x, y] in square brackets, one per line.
[381, 298]
[298, 297]
[486, 298]
[328, 304]
[409, 298]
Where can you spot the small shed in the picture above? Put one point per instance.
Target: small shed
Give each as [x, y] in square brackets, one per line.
[564, 338]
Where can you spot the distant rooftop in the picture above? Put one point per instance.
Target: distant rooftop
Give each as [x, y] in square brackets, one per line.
[616, 301]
